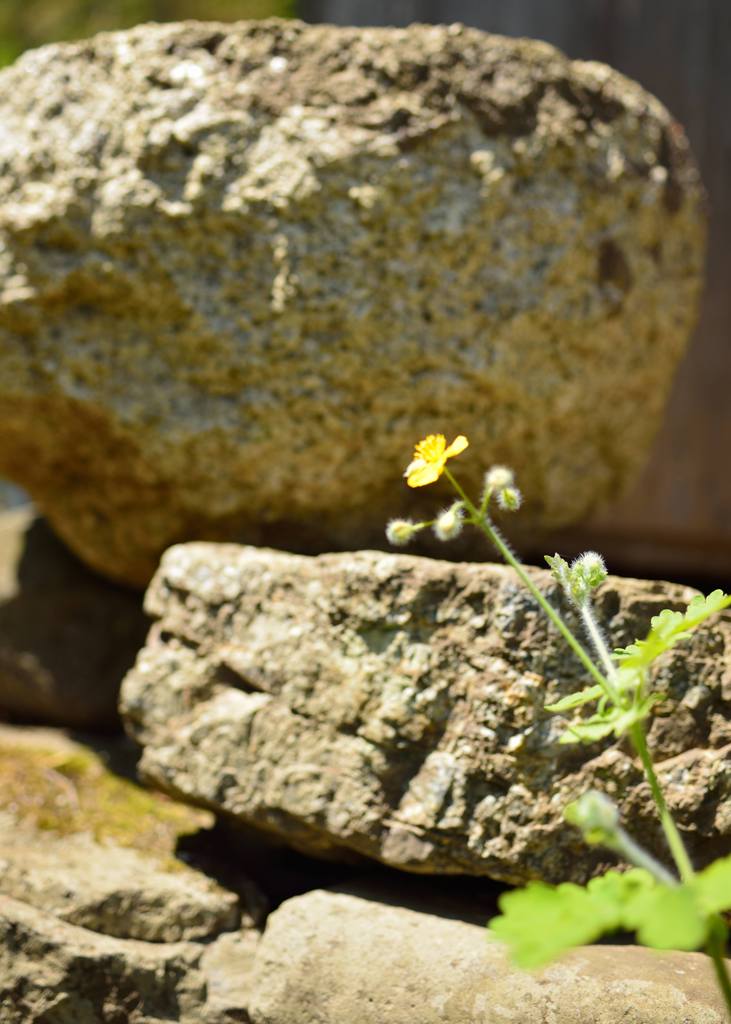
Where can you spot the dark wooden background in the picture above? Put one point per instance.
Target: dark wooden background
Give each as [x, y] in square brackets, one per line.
[677, 520]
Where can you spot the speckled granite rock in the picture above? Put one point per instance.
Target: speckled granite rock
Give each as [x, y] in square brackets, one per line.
[391, 706]
[335, 958]
[243, 268]
[99, 921]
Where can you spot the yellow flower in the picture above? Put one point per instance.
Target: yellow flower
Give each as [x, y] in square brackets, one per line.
[430, 458]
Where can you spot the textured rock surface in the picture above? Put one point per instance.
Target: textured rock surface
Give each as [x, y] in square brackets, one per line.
[58, 973]
[208, 232]
[321, 953]
[113, 890]
[98, 920]
[67, 636]
[392, 706]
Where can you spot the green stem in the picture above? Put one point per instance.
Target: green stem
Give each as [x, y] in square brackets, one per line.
[496, 540]
[674, 840]
[623, 844]
[715, 948]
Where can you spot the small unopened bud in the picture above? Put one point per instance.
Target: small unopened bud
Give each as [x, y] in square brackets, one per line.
[498, 478]
[591, 568]
[449, 524]
[587, 572]
[400, 531]
[509, 499]
[596, 815]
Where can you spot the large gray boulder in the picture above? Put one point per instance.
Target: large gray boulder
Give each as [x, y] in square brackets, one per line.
[243, 268]
[392, 706]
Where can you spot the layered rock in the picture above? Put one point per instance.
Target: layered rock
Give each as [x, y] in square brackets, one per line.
[98, 919]
[392, 706]
[243, 268]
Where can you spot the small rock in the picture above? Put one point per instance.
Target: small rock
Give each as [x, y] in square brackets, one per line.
[58, 973]
[336, 958]
[113, 890]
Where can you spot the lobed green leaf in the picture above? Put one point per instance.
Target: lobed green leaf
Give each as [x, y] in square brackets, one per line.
[713, 886]
[669, 628]
[617, 720]
[540, 922]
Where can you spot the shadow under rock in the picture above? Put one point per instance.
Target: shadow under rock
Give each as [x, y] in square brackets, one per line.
[67, 636]
[233, 855]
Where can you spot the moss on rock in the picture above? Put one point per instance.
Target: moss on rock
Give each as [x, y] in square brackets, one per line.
[67, 788]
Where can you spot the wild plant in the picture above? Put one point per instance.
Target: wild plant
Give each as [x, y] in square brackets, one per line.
[666, 910]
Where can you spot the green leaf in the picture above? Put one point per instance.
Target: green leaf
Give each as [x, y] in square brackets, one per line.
[592, 730]
[575, 700]
[617, 720]
[713, 886]
[669, 628]
[559, 568]
[668, 917]
[625, 719]
[540, 922]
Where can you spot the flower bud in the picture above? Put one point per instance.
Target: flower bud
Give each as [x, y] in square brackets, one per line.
[448, 524]
[587, 572]
[400, 531]
[591, 568]
[499, 477]
[509, 499]
[596, 815]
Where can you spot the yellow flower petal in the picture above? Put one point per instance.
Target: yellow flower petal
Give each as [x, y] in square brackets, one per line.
[458, 445]
[423, 475]
[414, 465]
[431, 449]
[430, 458]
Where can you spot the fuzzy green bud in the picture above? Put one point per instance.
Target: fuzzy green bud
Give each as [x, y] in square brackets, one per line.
[400, 531]
[590, 568]
[586, 573]
[448, 524]
[499, 477]
[509, 499]
[596, 816]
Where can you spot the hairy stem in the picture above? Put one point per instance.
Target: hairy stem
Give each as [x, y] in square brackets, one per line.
[623, 843]
[600, 646]
[483, 522]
